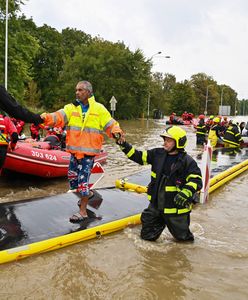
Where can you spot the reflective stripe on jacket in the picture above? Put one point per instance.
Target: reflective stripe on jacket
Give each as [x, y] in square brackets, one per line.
[185, 174]
[84, 134]
[232, 135]
[201, 128]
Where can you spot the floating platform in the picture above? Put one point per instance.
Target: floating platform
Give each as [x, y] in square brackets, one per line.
[39, 225]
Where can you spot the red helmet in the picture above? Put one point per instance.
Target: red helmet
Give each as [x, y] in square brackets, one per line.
[201, 117]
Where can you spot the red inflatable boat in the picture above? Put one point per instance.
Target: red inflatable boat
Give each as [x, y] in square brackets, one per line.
[37, 158]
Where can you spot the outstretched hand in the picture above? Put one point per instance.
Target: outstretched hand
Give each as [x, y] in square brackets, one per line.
[43, 116]
[119, 138]
[118, 135]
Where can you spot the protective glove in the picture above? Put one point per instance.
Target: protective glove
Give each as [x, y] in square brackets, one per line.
[118, 135]
[183, 199]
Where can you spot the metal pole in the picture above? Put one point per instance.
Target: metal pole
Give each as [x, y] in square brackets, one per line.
[206, 103]
[221, 100]
[149, 94]
[6, 46]
[148, 104]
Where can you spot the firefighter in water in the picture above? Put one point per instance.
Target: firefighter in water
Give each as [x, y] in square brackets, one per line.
[232, 137]
[201, 130]
[175, 180]
[209, 122]
[214, 132]
[8, 137]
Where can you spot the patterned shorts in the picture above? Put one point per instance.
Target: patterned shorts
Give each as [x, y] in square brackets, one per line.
[79, 174]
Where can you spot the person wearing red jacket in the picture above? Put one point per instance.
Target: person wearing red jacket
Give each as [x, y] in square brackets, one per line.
[35, 131]
[19, 124]
[8, 137]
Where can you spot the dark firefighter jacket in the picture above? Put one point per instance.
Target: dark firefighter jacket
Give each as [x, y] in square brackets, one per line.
[14, 109]
[184, 174]
[201, 128]
[232, 135]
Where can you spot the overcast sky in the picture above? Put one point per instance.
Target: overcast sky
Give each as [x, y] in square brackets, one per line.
[208, 36]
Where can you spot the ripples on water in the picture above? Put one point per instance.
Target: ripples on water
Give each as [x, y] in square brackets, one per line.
[122, 266]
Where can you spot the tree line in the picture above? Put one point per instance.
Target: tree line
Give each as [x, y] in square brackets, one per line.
[44, 66]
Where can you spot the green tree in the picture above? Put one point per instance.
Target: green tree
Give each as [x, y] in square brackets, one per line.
[160, 91]
[72, 38]
[32, 95]
[113, 70]
[243, 107]
[47, 63]
[21, 50]
[206, 92]
[183, 98]
[228, 97]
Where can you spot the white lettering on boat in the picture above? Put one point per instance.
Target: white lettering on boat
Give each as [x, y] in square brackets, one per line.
[43, 155]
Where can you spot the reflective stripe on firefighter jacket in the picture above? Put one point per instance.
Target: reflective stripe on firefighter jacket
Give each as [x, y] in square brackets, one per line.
[232, 135]
[201, 129]
[84, 134]
[185, 174]
[7, 128]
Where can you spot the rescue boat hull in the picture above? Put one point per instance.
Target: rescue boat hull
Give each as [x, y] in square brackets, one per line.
[37, 159]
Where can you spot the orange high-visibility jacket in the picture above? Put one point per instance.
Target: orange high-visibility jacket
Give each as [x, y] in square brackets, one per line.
[84, 135]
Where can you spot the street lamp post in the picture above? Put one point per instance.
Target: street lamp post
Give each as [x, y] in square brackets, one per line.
[235, 107]
[148, 104]
[149, 93]
[206, 102]
[6, 47]
[221, 100]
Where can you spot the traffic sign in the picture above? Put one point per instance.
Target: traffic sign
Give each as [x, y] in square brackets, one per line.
[113, 102]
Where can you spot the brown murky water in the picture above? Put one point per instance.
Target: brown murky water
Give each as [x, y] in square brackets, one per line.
[121, 265]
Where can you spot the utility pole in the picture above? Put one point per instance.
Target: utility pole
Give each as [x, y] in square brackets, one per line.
[149, 92]
[6, 46]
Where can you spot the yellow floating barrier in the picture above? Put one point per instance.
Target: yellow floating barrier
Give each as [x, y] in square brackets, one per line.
[220, 179]
[24, 251]
[122, 184]
[216, 182]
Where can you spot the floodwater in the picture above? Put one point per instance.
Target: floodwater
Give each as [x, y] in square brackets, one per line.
[121, 265]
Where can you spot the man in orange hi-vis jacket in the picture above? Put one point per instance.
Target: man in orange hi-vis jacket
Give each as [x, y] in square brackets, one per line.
[84, 120]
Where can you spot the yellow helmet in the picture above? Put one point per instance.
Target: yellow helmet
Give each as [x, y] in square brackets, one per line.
[216, 120]
[176, 133]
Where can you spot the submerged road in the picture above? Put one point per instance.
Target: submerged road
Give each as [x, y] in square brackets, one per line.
[122, 266]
